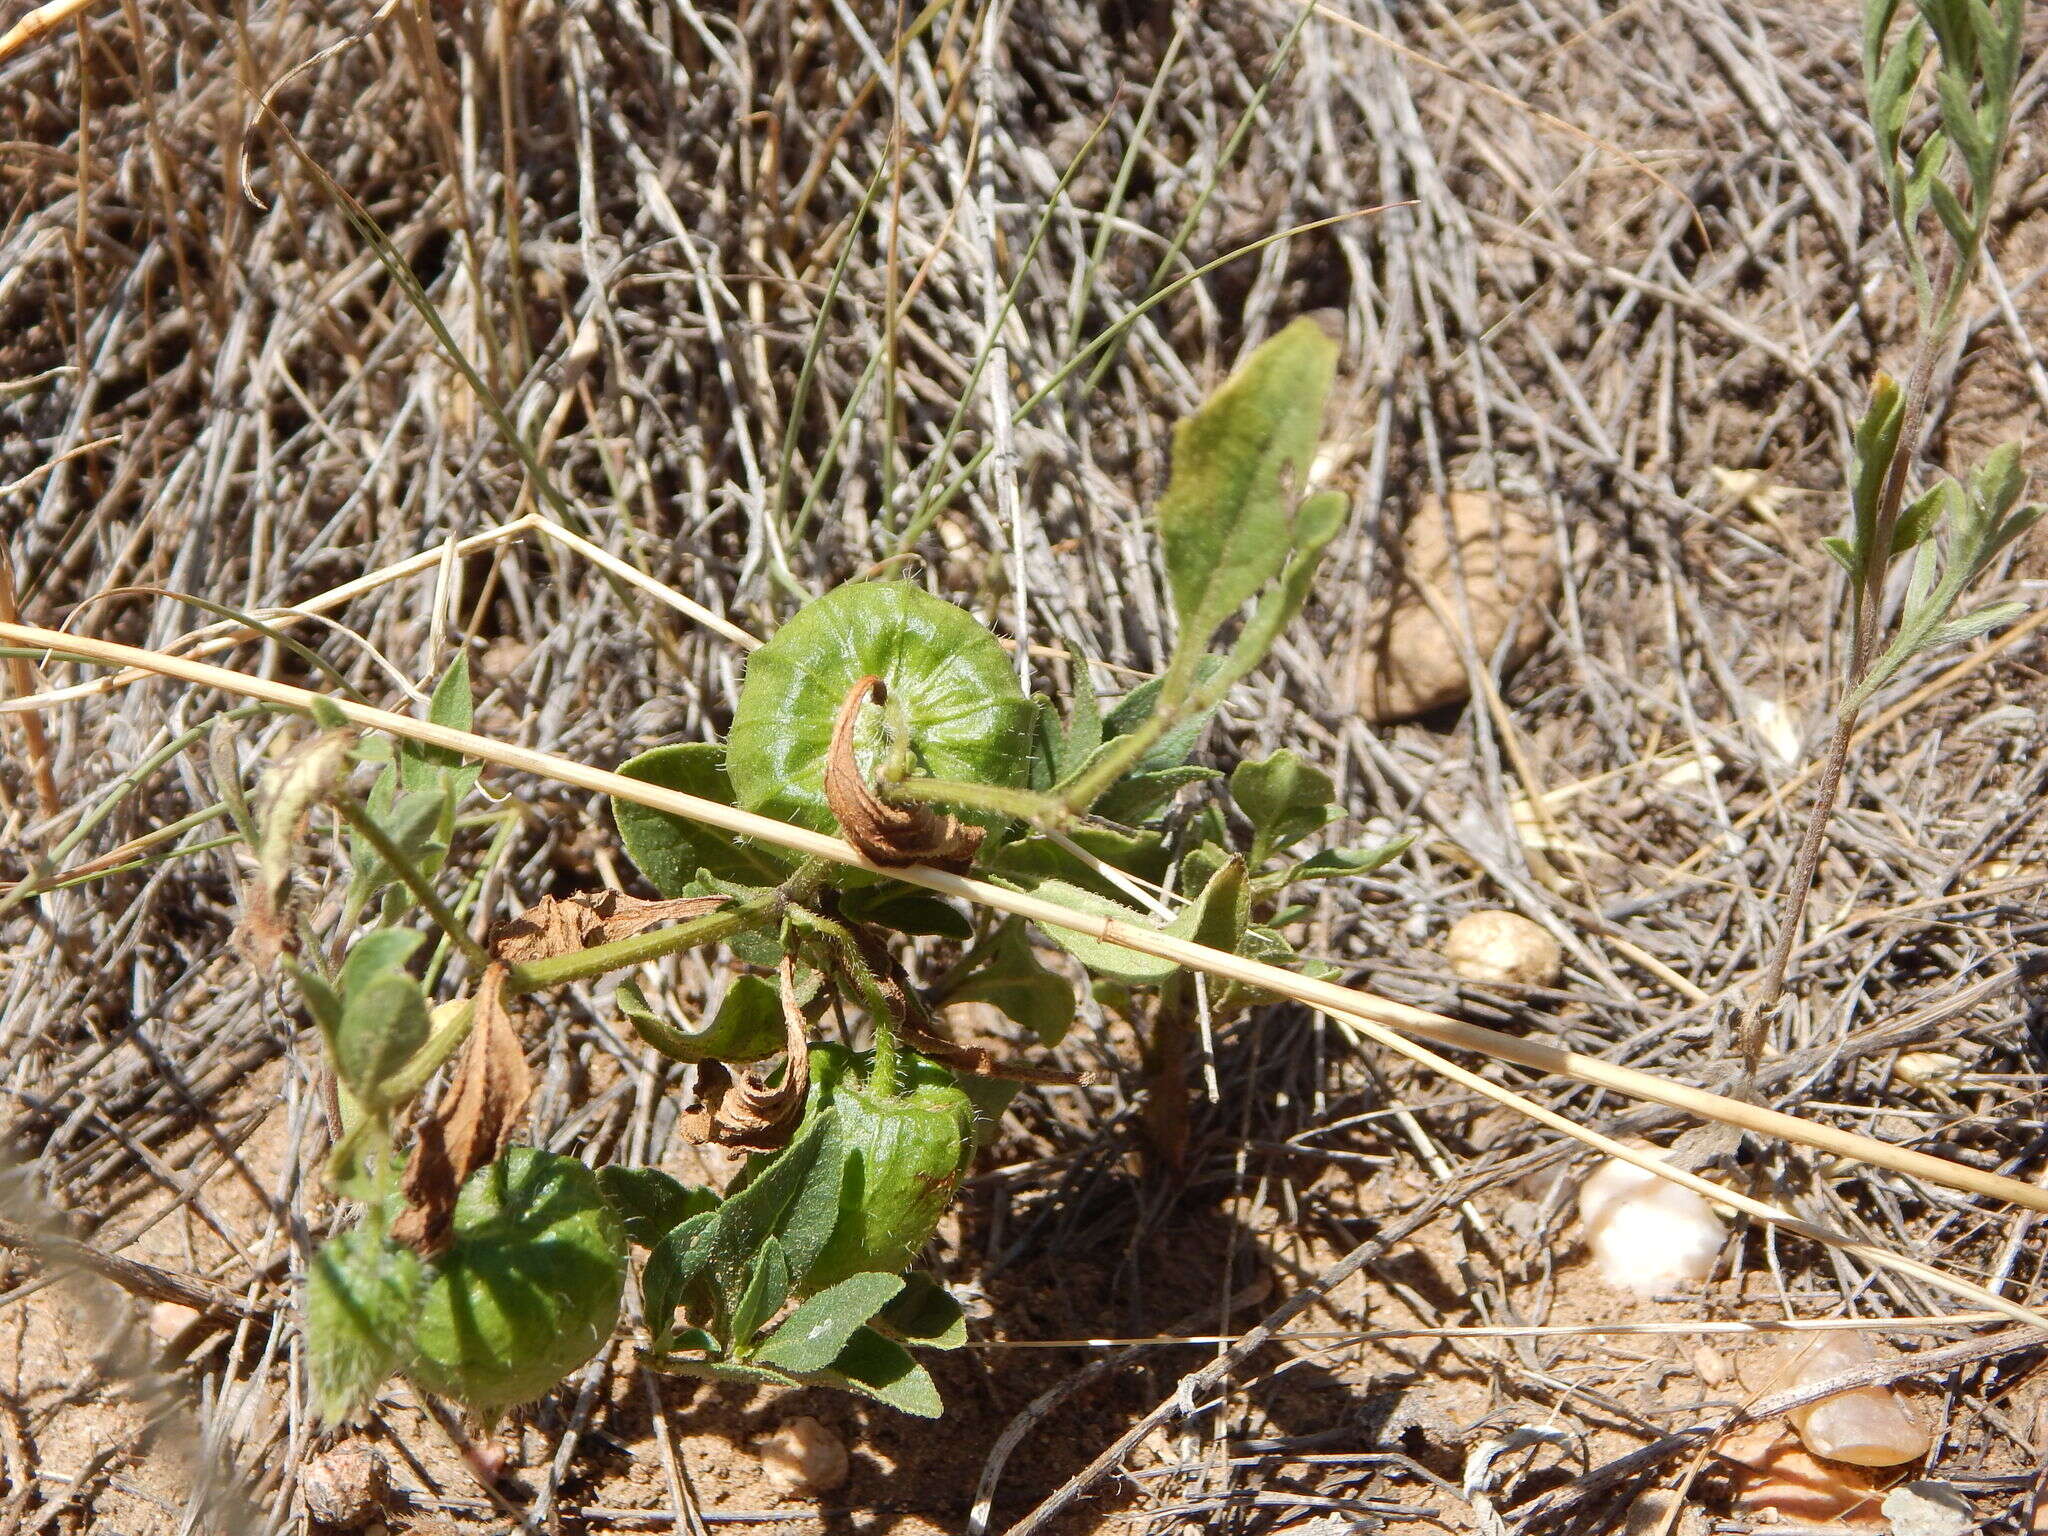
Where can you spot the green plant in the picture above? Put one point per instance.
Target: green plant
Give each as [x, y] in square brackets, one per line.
[485, 1272]
[1953, 530]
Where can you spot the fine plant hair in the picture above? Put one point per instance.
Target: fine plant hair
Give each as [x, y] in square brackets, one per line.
[1941, 194]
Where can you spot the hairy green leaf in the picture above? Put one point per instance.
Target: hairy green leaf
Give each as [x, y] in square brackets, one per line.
[812, 1337]
[1226, 522]
[881, 1368]
[1284, 798]
[1010, 977]
[748, 1025]
[669, 850]
[651, 1204]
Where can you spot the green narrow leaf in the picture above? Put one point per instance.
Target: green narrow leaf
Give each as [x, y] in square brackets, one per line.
[925, 1313]
[767, 1289]
[748, 1025]
[813, 1335]
[1226, 522]
[452, 706]
[881, 1368]
[1010, 977]
[1338, 862]
[673, 1269]
[1970, 625]
[651, 1204]
[1083, 734]
[1919, 519]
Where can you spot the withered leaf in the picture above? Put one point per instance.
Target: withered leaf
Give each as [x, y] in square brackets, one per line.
[471, 1124]
[552, 927]
[290, 790]
[887, 834]
[749, 1111]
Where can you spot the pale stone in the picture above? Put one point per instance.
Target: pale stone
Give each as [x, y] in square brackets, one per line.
[1411, 663]
[803, 1458]
[1647, 1233]
[1497, 946]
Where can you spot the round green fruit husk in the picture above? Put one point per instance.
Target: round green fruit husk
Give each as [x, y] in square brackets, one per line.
[528, 1289]
[903, 1158]
[967, 718]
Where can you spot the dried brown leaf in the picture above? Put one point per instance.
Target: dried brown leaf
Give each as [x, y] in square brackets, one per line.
[471, 1124]
[887, 834]
[756, 1112]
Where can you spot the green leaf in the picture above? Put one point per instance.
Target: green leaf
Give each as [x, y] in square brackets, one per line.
[1101, 957]
[812, 1336]
[741, 1372]
[881, 1368]
[383, 1023]
[767, 1289]
[416, 823]
[651, 1204]
[1083, 733]
[669, 850]
[1139, 797]
[674, 1269]
[1217, 917]
[1010, 977]
[924, 1313]
[1137, 706]
[1031, 860]
[1919, 519]
[1226, 522]
[378, 951]
[423, 767]
[1839, 550]
[905, 911]
[1337, 862]
[786, 1200]
[1970, 625]
[748, 1025]
[1284, 798]
[322, 1001]
[360, 1294]
[1876, 441]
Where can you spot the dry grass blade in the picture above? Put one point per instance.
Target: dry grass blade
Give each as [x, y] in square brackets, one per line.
[1344, 1001]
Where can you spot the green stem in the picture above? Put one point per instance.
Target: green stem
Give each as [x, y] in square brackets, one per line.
[537, 975]
[1023, 804]
[421, 888]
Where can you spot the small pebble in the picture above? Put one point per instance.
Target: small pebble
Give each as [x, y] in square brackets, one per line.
[168, 1319]
[1503, 946]
[803, 1458]
[1647, 1234]
[345, 1487]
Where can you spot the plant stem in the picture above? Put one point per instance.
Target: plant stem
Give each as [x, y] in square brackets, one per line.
[421, 888]
[1770, 984]
[536, 975]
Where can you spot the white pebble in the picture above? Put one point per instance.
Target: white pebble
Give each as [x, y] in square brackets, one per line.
[1647, 1234]
[803, 1457]
[1503, 946]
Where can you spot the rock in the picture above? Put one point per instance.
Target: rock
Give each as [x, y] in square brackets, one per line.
[1865, 1426]
[1411, 663]
[169, 1319]
[1647, 1234]
[345, 1487]
[1503, 946]
[803, 1458]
